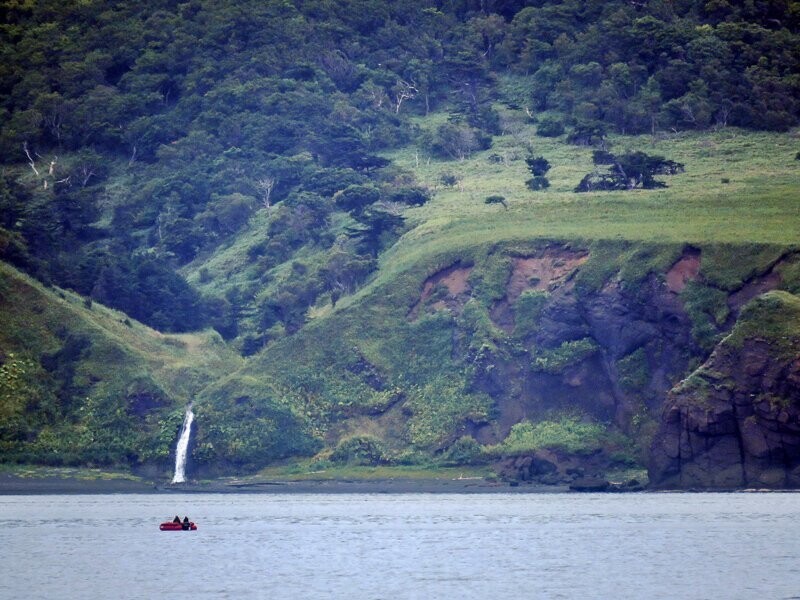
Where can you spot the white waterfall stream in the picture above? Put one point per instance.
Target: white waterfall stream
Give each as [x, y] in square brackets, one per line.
[183, 447]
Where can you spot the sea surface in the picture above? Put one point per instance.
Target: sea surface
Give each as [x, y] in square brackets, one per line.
[394, 546]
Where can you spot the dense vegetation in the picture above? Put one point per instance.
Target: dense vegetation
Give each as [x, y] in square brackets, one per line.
[289, 173]
[155, 131]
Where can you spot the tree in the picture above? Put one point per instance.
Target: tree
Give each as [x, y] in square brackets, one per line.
[265, 185]
[374, 229]
[356, 198]
[538, 166]
[629, 171]
[550, 127]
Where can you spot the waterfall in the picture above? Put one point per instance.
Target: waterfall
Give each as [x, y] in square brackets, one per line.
[183, 447]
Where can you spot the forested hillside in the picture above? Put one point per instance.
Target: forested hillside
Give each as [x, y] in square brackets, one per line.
[303, 176]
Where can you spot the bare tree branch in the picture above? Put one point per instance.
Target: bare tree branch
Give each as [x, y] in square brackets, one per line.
[31, 162]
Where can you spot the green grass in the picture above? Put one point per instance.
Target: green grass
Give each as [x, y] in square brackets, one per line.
[86, 407]
[567, 434]
[773, 317]
[83, 474]
[309, 471]
[760, 204]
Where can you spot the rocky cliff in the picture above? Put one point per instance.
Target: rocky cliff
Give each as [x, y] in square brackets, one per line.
[735, 422]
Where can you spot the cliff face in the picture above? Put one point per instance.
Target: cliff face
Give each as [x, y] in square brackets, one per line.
[735, 422]
[611, 353]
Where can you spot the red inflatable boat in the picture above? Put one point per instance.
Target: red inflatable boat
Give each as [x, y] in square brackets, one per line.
[172, 526]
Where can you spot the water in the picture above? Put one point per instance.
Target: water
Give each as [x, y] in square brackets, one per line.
[183, 446]
[690, 546]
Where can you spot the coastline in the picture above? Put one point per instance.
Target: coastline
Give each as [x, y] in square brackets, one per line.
[11, 485]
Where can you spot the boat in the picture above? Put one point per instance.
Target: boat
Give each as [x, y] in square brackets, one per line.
[172, 526]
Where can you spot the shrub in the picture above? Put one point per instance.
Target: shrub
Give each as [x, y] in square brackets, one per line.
[449, 179]
[496, 200]
[568, 434]
[537, 165]
[633, 371]
[527, 311]
[465, 451]
[550, 127]
[411, 196]
[602, 157]
[567, 354]
[363, 450]
[537, 183]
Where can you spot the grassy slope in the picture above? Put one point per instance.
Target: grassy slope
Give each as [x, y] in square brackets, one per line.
[122, 359]
[759, 205]
[34, 318]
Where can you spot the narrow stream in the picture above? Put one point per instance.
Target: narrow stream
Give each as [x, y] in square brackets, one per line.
[183, 447]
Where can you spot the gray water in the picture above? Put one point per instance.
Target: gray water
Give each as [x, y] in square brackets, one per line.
[402, 546]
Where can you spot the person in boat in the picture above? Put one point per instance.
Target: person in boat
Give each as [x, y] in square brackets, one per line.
[186, 524]
[177, 519]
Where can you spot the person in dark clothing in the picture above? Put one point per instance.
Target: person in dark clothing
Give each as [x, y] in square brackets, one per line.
[177, 519]
[186, 524]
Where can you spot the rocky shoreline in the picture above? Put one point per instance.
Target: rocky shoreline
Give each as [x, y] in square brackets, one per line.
[15, 485]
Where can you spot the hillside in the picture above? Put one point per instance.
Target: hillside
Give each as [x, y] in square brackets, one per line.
[401, 234]
[84, 385]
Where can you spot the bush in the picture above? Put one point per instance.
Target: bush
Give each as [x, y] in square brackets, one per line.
[456, 141]
[411, 196]
[465, 451]
[556, 360]
[449, 179]
[550, 127]
[568, 434]
[537, 165]
[537, 183]
[602, 157]
[496, 200]
[363, 450]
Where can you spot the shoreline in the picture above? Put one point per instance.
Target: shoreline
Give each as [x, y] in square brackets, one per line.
[14, 485]
[33, 485]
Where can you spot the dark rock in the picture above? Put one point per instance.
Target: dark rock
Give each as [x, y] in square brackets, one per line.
[735, 423]
[589, 484]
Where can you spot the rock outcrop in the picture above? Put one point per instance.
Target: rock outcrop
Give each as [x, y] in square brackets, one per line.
[735, 422]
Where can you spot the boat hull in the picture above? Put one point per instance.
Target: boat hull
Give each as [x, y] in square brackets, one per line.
[170, 526]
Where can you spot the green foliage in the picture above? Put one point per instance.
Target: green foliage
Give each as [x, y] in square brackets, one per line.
[567, 434]
[707, 307]
[790, 275]
[629, 171]
[464, 451]
[490, 276]
[556, 360]
[247, 424]
[633, 371]
[360, 450]
[495, 199]
[774, 317]
[439, 410]
[455, 141]
[81, 386]
[537, 165]
[355, 198]
[550, 127]
[729, 266]
[537, 183]
[527, 312]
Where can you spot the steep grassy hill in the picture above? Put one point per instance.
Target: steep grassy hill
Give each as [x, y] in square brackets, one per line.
[83, 384]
